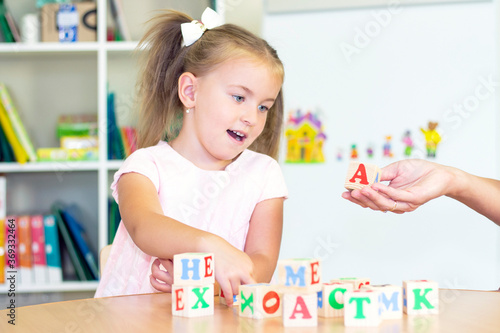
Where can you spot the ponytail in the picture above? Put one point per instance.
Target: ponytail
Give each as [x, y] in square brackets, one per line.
[160, 108]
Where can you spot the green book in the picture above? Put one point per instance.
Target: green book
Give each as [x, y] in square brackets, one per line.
[81, 270]
[6, 153]
[4, 25]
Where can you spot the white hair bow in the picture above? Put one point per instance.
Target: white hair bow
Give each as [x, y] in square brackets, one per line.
[193, 30]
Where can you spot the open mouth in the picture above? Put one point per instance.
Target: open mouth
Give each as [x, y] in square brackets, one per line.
[236, 135]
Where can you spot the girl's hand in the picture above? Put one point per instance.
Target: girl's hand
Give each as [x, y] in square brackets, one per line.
[411, 184]
[160, 279]
[232, 267]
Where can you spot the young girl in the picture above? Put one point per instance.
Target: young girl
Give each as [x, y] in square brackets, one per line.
[207, 95]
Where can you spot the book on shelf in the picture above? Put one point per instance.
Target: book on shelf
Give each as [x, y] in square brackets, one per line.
[129, 139]
[65, 154]
[16, 123]
[25, 253]
[6, 153]
[3, 257]
[52, 250]
[80, 238]
[20, 154]
[121, 29]
[3, 215]
[116, 149]
[4, 25]
[78, 259]
[12, 26]
[114, 219]
[40, 273]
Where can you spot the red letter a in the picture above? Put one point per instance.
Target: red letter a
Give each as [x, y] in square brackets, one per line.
[303, 309]
[361, 174]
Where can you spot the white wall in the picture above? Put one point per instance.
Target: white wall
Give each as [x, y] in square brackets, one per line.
[418, 63]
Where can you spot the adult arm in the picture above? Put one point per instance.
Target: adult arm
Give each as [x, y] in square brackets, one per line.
[412, 183]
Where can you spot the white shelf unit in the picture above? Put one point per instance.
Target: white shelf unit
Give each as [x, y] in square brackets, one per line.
[46, 80]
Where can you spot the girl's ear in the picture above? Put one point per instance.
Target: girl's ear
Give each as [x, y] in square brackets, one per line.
[187, 88]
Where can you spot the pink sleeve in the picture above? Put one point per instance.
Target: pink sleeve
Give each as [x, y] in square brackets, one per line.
[142, 162]
[274, 185]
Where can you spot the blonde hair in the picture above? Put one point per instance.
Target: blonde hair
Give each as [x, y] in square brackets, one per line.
[161, 110]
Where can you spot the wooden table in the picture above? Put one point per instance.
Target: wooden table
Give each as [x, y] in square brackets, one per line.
[460, 311]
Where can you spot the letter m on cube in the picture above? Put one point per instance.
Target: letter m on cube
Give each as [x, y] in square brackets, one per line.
[194, 269]
[300, 273]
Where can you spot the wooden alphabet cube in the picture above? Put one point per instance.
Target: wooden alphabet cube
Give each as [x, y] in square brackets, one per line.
[300, 273]
[361, 308]
[391, 300]
[261, 300]
[331, 299]
[360, 175]
[420, 297]
[356, 282]
[194, 269]
[193, 301]
[300, 309]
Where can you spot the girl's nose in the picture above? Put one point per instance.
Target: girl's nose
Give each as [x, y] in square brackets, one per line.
[249, 117]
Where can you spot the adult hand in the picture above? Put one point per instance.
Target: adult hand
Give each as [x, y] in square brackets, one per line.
[411, 184]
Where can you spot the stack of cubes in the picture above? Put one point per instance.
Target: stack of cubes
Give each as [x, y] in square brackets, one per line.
[193, 287]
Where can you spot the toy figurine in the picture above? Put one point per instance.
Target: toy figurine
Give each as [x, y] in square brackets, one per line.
[369, 151]
[354, 152]
[432, 138]
[387, 147]
[408, 143]
[340, 153]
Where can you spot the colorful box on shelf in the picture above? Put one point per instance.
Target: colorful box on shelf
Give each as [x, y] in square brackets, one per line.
[64, 154]
[69, 23]
[77, 125]
[79, 142]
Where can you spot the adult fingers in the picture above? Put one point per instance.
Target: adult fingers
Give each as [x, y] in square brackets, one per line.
[394, 193]
[348, 196]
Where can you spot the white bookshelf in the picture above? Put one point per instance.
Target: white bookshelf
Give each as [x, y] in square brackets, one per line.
[46, 80]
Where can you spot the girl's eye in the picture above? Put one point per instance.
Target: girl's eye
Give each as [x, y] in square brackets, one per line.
[263, 108]
[238, 99]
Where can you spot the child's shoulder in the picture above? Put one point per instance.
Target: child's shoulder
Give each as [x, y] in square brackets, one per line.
[161, 147]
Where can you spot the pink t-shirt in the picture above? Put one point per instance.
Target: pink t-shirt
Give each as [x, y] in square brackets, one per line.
[220, 202]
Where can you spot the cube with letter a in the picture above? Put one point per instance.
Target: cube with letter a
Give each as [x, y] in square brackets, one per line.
[360, 175]
[391, 300]
[420, 297]
[194, 269]
[300, 309]
[331, 299]
[300, 273]
[260, 300]
[361, 308]
[193, 301]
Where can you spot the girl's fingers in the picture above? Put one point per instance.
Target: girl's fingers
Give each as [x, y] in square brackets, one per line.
[160, 275]
[226, 288]
[166, 288]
